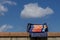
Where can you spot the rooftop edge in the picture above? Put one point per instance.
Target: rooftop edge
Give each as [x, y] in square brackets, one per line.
[26, 34]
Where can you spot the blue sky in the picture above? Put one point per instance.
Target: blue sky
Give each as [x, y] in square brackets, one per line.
[16, 14]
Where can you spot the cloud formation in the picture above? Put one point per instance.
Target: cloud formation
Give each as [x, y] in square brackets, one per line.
[9, 2]
[5, 27]
[33, 10]
[4, 9]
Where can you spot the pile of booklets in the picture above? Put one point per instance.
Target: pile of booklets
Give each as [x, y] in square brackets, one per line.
[38, 30]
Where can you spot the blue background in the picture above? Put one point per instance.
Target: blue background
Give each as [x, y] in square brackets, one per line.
[19, 24]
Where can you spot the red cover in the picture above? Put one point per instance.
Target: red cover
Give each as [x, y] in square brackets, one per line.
[37, 28]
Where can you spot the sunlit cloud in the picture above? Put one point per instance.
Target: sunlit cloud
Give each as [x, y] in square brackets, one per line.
[33, 10]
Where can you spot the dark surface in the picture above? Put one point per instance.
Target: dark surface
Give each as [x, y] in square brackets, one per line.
[39, 34]
[38, 38]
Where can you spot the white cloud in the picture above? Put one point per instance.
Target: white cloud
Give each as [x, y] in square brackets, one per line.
[4, 9]
[5, 27]
[9, 2]
[32, 10]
